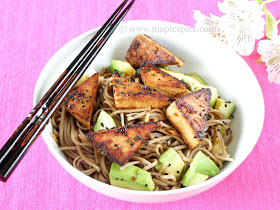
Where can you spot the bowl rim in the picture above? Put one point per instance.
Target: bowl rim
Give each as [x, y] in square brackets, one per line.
[68, 167]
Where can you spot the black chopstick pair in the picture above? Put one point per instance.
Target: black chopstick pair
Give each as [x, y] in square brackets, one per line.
[19, 143]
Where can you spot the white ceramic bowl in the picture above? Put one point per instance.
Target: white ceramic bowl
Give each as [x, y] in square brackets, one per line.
[217, 64]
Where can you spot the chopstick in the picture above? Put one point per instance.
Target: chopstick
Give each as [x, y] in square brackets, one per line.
[18, 144]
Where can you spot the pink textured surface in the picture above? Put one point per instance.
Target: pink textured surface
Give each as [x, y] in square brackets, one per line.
[32, 31]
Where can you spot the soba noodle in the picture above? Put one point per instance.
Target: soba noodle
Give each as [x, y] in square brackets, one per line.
[71, 138]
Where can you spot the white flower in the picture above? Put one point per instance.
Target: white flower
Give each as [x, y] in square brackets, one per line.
[209, 24]
[270, 52]
[242, 23]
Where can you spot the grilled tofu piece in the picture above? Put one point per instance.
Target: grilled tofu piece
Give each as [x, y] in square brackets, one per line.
[120, 144]
[189, 115]
[143, 50]
[132, 95]
[80, 102]
[164, 83]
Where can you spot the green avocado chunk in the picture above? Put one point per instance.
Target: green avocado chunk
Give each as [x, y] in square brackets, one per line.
[173, 161]
[191, 178]
[197, 86]
[204, 165]
[177, 75]
[200, 169]
[104, 122]
[195, 82]
[122, 67]
[225, 106]
[198, 78]
[132, 177]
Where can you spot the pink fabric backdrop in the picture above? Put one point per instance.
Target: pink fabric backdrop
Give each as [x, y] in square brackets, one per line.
[32, 31]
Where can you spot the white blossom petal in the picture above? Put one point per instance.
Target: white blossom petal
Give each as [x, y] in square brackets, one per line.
[274, 71]
[269, 48]
[210, 25]
[242, 24]
[229, 5]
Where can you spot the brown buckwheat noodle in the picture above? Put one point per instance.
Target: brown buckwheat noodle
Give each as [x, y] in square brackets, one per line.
[70, 135]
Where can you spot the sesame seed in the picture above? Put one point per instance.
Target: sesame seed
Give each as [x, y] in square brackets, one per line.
[169, 164]
[102, 124]
[132, 144]
[178, 172]
[166, 173]
[146, 185]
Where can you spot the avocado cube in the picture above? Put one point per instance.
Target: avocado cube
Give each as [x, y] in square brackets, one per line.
[192, 178]
[217, 148]
[197, 86]
[173, 161]
[104, 122]
[177, 75]
[132, 177]
[122, 67]
[226, 107]
[204, 165]
[198, 78]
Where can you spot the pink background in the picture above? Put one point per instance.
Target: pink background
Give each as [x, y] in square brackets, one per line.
[32, 31]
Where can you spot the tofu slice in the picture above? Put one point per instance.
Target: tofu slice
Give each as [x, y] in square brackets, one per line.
[143, 50]
[188, 115]
[80, 102]
[164, 83]
[120, 144]
[132, 95]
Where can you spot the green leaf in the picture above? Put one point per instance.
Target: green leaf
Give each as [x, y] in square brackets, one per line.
[259, 1]
[271, 25]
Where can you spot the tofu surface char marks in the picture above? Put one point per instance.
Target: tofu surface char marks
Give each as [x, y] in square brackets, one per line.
[143, 50]
[166, 84]
[120, 144]
[188, 115]
[132, 95]
[80, 102]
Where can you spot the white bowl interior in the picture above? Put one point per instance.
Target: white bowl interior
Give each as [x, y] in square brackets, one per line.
[216, 63]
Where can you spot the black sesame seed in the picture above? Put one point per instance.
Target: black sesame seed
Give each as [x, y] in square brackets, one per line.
[219, 97]
[124, 87]
[166, 173]
[195, 137]
[132, 144]
[87, 101]
[117, 178]
[121, 179]
[86, 90]
[170, 79]
[169, 164]
[200, 114]
[225, 105]
[153, 74]
[146, 185]
[89, 97]
[102, 124]
[122, 92]
[115, 145]
[83, 105]
[127, 141]
[178, 172]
